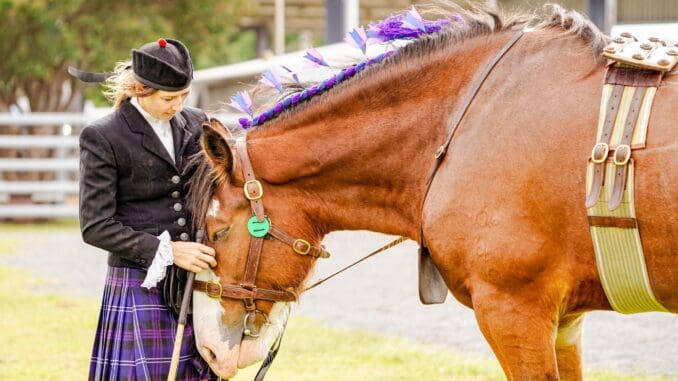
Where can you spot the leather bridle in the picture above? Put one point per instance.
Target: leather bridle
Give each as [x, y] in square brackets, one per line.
[247, 290]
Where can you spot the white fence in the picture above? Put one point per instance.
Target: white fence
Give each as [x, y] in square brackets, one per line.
[52, 194]
[55, 194]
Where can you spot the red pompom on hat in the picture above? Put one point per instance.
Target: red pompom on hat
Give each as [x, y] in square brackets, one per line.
[162, 42]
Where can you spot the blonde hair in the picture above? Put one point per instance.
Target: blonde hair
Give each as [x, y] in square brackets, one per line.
[122, 85]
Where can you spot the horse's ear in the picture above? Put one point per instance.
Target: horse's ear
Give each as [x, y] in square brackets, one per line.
[219, 145]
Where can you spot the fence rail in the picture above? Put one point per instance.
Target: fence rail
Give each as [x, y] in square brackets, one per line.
[22, 195]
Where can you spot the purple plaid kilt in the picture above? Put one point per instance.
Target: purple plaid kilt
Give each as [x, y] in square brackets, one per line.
[135, 334]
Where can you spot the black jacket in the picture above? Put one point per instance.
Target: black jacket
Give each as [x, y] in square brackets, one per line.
[130, 190]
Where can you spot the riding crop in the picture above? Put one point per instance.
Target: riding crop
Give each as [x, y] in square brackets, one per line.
[183, 313]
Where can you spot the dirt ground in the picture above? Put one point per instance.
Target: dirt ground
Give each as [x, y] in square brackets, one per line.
[378, 295]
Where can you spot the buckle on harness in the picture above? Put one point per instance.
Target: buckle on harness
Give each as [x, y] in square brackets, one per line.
[603, 156]
[212, 295]
[627, 154]
[305, 250]
[259, 191]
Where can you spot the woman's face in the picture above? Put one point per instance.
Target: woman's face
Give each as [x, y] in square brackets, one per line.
[164, 104]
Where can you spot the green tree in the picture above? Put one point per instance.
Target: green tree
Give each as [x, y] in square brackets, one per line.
[39, 39]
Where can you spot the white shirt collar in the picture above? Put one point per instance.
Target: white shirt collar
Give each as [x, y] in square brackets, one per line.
[162, 128]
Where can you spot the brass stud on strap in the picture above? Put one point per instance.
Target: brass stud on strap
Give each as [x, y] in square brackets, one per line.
[654, 39]
[627, 35]
[610, 49]
[638, 57]
[646, 46]
[439, 152]
[672, 53]
[618, 40]
[664, 62]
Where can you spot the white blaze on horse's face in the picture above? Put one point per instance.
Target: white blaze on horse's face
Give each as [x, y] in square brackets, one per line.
[223, 346]
[217, 344]
[213, 209]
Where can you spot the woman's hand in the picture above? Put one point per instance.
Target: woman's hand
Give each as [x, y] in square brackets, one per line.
[193, 256]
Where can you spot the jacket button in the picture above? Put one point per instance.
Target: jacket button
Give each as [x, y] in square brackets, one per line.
[181, 221]
[175, 179]
[175, 194]
[177, 207]
[142, 261]
[183, 236]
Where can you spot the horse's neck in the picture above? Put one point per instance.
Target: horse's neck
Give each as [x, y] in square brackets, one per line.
[360, 158]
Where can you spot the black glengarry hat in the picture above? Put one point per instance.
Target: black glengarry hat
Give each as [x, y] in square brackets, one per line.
[164, 64]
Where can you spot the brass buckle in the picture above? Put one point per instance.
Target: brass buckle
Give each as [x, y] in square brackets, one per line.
[302, 241]
[259, 189]
[627, 155]
[213, 295]
[606, 151]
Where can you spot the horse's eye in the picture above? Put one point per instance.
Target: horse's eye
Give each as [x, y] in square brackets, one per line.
[220, 234]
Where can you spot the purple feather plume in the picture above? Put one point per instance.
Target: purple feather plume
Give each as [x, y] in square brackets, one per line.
[357, 38]
[241, 101]
[272, 79]
[413, 20]
[394, 27]
[316, 59]
[291, 74]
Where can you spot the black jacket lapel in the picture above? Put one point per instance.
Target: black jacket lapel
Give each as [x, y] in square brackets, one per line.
[150, 140]
[181, 136]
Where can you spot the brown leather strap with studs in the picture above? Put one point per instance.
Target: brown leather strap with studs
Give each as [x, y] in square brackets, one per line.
[622, 154]
[600, 151]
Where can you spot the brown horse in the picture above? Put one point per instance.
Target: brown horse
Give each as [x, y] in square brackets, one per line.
[504, 219]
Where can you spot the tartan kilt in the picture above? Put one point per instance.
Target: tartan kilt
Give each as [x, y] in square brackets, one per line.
[135, 334]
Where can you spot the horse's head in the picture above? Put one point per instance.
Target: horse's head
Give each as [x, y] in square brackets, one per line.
[263, 256]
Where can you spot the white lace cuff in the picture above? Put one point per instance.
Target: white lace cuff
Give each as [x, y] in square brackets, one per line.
[163, 258]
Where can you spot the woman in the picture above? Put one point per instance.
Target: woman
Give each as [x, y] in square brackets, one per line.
[133, 171]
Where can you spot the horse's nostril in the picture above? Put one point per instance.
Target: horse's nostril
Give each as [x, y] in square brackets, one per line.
[209, 355]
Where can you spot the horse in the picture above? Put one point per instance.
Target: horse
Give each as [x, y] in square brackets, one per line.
[504, 218]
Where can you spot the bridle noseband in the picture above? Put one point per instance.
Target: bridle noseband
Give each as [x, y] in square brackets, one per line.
[260, 227]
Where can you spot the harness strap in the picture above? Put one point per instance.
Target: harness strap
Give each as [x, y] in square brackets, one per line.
[252, 188]
[454, 124]
[622, 153]
[601, 150]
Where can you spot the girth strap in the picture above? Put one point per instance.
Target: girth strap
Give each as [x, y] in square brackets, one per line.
[622, 153]
[602, 148]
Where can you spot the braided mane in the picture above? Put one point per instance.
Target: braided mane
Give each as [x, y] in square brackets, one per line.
[470, 23]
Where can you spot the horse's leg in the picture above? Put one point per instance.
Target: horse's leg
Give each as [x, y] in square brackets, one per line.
[521, 330]
[568, 347]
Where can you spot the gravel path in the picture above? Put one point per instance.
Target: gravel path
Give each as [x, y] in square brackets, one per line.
[379, 295]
